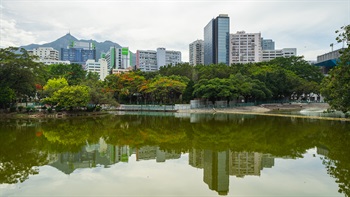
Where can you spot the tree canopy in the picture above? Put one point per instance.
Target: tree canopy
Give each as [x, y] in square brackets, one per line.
[336, 86]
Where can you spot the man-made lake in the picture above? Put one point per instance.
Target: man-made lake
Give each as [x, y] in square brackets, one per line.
[166, 154]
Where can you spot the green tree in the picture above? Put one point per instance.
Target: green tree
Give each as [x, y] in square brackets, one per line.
[212, 71]
[300, 67]
[250, 89]
[129, 84]
[74, 73]
[19, 72]
[281, 82]
[335, 87]
[188, 92]
[165, 89]
[7, 95]
[110, 84]
[98, 94]
[70, 96]
[214, 89]
[183, 69]
[53, 85]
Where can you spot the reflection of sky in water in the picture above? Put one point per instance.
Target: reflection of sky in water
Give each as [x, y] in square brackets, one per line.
[316, 112]
[288, 177]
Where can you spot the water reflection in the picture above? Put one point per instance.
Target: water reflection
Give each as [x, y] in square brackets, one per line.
[220, 145]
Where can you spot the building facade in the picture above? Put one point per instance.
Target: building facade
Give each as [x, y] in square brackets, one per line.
[45, 53]
[79, 52]
[118, 58]
[49, 62]
[216, 40]
[245, 47]
[196, 52]
[146, 60]
[99, 67]
[151, 60]
[268, 55]
[267, 44]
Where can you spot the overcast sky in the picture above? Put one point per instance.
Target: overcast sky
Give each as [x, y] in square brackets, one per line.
[308, 25]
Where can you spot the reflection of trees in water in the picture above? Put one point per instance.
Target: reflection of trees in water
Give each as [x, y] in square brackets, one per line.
[337, 156]
[281, 137]
[20, 151]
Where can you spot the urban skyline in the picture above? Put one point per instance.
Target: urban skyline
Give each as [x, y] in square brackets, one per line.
[308, 26]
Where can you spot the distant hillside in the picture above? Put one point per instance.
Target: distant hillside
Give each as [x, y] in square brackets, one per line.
[65, 40]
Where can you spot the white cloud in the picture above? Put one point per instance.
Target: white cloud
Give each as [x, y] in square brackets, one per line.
[11, 35]
[307, 25]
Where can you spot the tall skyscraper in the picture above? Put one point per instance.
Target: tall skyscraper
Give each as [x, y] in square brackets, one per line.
[216, 40]
[196, 52]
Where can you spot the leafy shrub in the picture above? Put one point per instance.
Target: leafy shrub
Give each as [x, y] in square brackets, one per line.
[30, 109]
[98, 108]
[49, 110]
[20, 108]
[13, 109]
[58, 108]
[90, 108]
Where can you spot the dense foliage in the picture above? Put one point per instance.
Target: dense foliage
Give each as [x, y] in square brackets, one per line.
[336, 86]
[279, 79]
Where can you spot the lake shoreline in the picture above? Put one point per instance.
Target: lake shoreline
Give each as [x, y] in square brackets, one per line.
[276, 110]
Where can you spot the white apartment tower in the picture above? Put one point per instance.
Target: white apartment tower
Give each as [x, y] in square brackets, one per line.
[146, 60]
[45, 53]
[99, 67]
[245, 47]
[196, 55]
[150, 60]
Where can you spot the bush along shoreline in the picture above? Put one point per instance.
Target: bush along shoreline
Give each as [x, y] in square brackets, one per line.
[49, 112]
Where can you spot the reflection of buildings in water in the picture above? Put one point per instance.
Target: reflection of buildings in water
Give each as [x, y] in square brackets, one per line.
[216, 171]
[245, 163]
[153, 152]
[321, 150]
[249, 163]
[217, 166]
[90, 156]
[268, 161]
[196, 158]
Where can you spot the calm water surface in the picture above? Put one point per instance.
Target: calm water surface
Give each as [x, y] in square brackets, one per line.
[175, 155]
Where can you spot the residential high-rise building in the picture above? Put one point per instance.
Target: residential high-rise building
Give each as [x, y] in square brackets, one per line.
[245, 47]
[267, 44]
[268, 55]
[118, 58]
[79, 52]
[151, 60]
[196, 55]
[99, 67]
[45, 53]
[146, 60]
[216, 40]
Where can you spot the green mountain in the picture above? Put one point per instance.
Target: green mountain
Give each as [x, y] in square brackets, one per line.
[67, 39]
